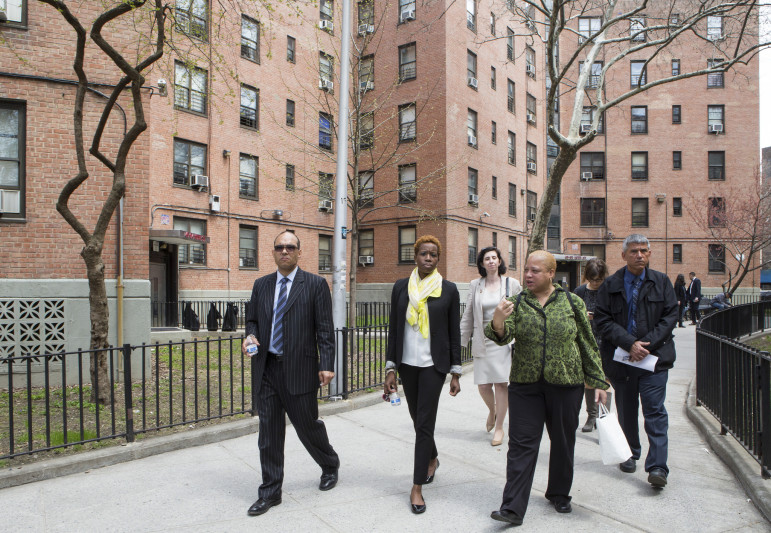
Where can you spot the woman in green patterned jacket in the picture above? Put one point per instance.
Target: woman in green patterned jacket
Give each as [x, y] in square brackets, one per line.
[556, 355]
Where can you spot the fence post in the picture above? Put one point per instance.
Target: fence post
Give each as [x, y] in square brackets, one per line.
[345, 362]
[128, 393]
[765, 414]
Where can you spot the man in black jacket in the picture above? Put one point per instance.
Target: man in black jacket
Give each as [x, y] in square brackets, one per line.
[636, 312]
[694, 297]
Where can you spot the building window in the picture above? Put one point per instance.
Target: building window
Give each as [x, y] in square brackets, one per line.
[250, 98]
[326, 185]
[471, 68]
[512, 253]
[532, 205]
[250, 39]
[366, 243]
[247, 176]
[494, 132]
[408, 69]
[15, 11]
[716, 118]
[492, 24]
[406, 244]
[639, 165]
[12, 153]
[473, 177]
[247, 247]
[593, 80]
[677, 253]
[588, 26]
[637, 28]
[289, 180]
[592, 166]
[593, 250]
[639, 212]
[716, 258]
[471, 15]
[473, 243]
[676, 114]
[509, 44]
[325, 253]
[290, 113]
[191, 18]
[639, 119]
[714, 79]
[326, 68]
[367, 72]
[191, 254]
[189, 160]
[531, 109]
[367, 13]
[714, 28]
[471, 127]
[677, 160]
[675, 67]
[290, 49]
[495, 239]
[407, 124]
[638, 74]
[366, 189]
[326, 10]
[592, 211]
[366, 131]
[406, 10]
[587, 118]
[716, 161]
[325, 131]
[189, 88]
[408, 191]
[512, 200]
[677, 207]
[531, 151]
[510, 101]
[492, 78]
[716, 212]
[530, 62]
[494, 188]
[512, 148]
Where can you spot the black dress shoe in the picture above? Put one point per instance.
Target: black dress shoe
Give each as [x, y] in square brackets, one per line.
[430, 478]
[261, 506]
[562, 506]
[328, 481]
[418, 508]
[509, 517]
[657, 477]
[628, 466]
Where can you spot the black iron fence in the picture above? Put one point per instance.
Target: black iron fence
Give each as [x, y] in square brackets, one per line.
[733, 380]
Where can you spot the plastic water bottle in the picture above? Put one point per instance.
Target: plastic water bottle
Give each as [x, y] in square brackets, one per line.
[394, 399]
[251, 349]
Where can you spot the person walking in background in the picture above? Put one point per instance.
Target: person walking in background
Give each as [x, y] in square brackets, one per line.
[492, 363]
[635, 314]
[682, 299]
[694, 297]
[424, 346]
[555, 355]
[289, 318]
[595, 273]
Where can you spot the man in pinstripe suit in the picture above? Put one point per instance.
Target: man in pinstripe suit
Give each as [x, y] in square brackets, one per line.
[289, 317]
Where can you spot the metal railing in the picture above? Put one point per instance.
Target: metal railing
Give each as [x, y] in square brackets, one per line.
[733, 380]
[172, 314]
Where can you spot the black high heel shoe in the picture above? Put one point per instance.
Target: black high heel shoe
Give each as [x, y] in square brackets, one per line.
[430, 478]
[418, 509]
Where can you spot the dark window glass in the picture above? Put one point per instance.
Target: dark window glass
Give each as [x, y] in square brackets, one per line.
[592, 211]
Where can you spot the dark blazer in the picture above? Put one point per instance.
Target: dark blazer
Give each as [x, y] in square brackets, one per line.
[694, 289]
[657, 314]
[309, 341]
[443, 319]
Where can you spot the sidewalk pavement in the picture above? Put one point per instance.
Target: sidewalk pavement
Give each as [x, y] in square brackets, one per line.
[210, 487]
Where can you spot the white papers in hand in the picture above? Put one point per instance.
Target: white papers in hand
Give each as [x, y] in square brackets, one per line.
[648, 363]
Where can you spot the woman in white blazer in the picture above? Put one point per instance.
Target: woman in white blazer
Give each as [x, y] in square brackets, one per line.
[492, 363]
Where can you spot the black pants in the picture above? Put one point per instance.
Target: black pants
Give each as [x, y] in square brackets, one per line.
[422, 387]
[303, 411]
[695, 313]
[531, 406]
[681, 313]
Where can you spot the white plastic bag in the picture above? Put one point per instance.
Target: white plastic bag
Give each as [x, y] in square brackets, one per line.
[613, 445]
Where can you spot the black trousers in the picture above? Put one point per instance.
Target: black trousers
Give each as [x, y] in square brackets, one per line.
[681, 312]
[303, 410]
[422, 387]
[531, 406]
[695, 313]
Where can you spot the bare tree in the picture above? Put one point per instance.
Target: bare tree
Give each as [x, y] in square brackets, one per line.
[613, 31]
[737, 222]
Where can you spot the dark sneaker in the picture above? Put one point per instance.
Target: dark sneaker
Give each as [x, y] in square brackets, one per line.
[628, 466]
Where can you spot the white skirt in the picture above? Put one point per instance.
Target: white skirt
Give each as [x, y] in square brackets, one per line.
[494, 366]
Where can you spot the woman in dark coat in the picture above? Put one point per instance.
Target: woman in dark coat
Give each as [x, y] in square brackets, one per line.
[682, 298]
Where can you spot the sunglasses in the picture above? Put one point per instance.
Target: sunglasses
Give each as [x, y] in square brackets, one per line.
[288, 247]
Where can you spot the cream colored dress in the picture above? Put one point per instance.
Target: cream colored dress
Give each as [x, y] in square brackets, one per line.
[495, 365]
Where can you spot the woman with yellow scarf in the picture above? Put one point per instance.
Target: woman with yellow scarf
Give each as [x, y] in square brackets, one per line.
[424, 346]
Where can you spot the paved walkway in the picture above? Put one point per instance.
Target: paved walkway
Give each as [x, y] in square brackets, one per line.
[210, 487]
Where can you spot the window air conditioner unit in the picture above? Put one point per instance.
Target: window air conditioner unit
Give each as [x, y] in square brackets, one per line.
[531, 217]
[199, 181]
[472, 82]
[10, 201]
[366, 85]
[326, 25]
[586, 176]
[586, 128]
[407, 14]
[214, 202]
[325, 205]
[531, 118]
[366, 260]
[472, 141]
[326, 85]
[716, 128]
[473, 199]
[365, 29]
[530, 25]
[531, 166]
[530, 70]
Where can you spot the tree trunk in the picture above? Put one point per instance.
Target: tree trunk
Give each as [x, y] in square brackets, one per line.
[100, 316]
[354, 265]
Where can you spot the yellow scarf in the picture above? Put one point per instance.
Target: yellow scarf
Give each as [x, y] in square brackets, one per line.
[419, 290]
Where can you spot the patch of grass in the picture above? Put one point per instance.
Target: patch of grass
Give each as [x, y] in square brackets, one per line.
[761, 343]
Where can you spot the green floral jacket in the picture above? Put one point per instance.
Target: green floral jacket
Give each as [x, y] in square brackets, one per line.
[553, 342]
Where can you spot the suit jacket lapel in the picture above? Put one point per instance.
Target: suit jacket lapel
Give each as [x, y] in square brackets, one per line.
[297, 287]
[270, 296]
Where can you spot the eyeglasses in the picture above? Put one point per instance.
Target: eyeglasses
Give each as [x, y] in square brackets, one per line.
[288, 247]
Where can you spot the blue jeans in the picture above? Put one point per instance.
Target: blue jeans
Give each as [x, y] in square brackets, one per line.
[719, 306]
[651, 390]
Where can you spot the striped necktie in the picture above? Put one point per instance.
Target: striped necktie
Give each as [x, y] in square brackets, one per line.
[632, 326]
[278, 318]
